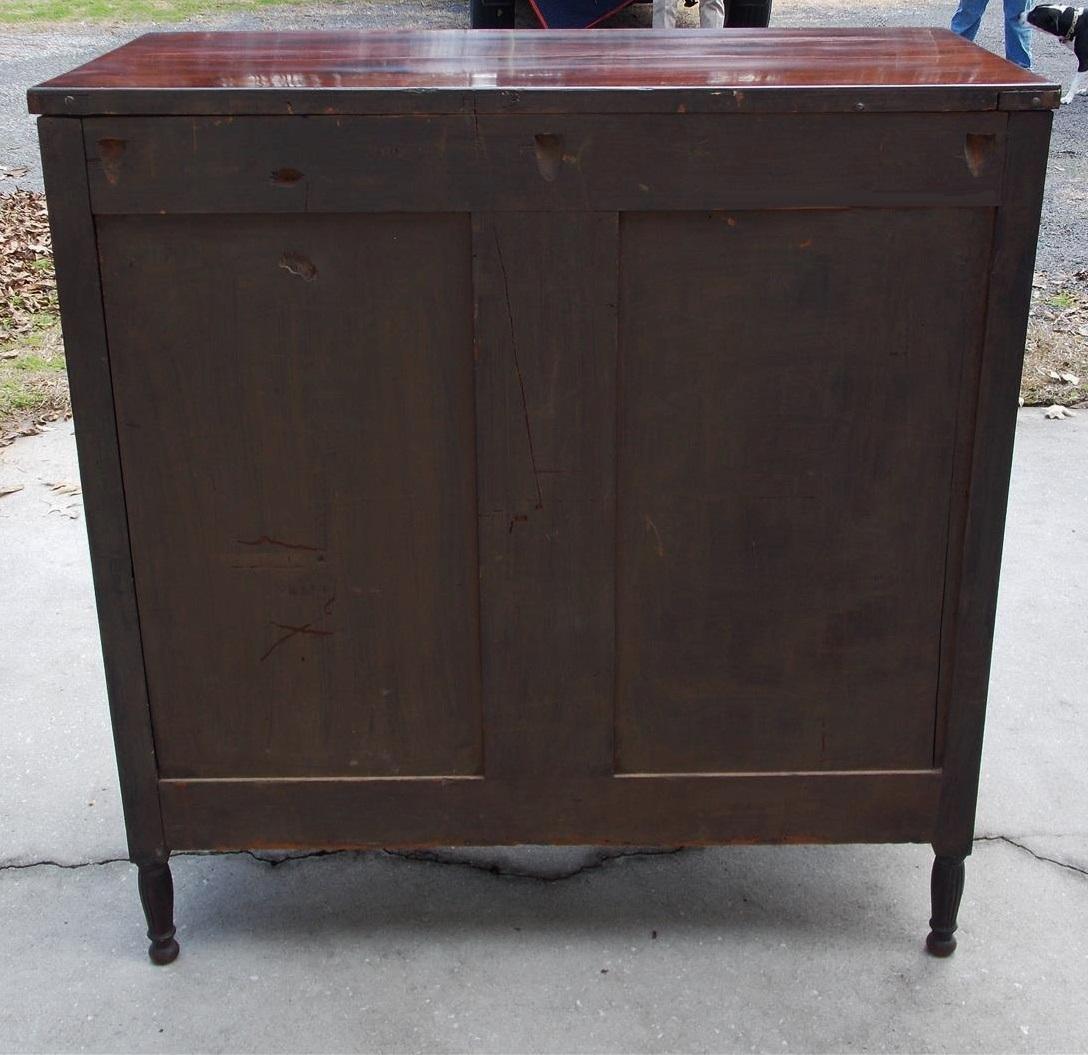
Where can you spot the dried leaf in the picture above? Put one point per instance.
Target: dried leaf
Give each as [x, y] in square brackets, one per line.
[64, 488]
[28, 289]
[1056, 413]
[5, 491]
[1020, 401]
[13, 171]
[1056, 354]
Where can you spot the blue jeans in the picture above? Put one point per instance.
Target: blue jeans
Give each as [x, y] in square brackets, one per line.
[1017, 37]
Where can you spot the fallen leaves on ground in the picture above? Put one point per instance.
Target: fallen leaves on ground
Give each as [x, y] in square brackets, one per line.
[64, 488]
[70, 511]
[1056, 354]
[28, 287]
[1056, 413]
[33, 387]
[33, 427]
[33, 381]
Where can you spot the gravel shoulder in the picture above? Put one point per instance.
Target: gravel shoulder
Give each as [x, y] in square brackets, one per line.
[34, 53]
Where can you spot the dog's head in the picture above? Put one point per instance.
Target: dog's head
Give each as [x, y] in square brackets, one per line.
[1045, 17]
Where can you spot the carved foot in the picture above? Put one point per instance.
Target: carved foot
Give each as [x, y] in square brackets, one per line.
[157, 898]
[946, 889]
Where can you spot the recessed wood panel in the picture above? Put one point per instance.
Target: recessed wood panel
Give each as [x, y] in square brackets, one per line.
[542, 163]
[295, 411]
[639, 811]
[546, 290]
[787, 427]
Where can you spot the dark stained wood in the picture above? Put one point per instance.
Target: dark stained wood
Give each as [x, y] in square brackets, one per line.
[552, 438]
[230, 69]
[297, 442]
[546, 291]
[804, 512]
[380, 102]
[705, 161]
[946, 890]
[652, 162]
[283, 165]
[1019, 99]
[959, 485]
[639, 811]
[156, 887]
[1015, 230]
[104, 499]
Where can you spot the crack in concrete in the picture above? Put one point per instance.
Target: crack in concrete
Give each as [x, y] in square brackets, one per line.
[1029, 850]
[490, 868]
[271, 861]
[606, 858]
[59, 864]
[419, 856]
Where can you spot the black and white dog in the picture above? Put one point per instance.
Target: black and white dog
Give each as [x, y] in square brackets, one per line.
[1070, 26]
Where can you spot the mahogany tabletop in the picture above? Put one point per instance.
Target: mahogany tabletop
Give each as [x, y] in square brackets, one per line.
[236, 72]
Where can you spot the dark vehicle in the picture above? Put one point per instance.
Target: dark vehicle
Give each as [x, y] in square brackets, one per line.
[499, 14]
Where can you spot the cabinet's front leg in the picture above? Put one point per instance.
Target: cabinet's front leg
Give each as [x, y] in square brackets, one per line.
[157, 898]
[946, 888]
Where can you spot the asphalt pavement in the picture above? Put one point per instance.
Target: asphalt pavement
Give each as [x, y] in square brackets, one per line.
[32, 54]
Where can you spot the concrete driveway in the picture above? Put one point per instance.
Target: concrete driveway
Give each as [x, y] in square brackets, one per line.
[537, 950]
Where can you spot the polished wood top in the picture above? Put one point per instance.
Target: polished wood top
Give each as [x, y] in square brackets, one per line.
[732, 64]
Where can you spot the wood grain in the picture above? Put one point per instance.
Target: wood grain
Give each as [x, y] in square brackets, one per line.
[659, 811]
[552, 438]
[295, 406]
[972, 623]
[784, 483]
[546, 291]
[647, 163]
[452, 71]
[87, 355]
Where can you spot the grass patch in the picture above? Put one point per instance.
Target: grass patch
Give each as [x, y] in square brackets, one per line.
[38, 364]
[124, 10]
[33, 380]
[1056, 356]
[33, 384]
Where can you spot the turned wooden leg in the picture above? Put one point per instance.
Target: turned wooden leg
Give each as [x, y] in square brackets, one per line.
[946, 889]
[157, 898]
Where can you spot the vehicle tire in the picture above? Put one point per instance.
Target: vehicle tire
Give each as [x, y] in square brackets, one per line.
[487, 14]
[747, 13]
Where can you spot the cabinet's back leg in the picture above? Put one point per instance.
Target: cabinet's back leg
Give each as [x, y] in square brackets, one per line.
[157, 898]
[946, 888]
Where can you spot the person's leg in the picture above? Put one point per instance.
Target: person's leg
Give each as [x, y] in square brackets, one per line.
[967, 18]
[1017, 34]
[711, 14]
[664, 14]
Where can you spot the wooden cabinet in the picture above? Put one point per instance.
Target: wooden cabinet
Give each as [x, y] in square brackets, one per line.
[545, 438]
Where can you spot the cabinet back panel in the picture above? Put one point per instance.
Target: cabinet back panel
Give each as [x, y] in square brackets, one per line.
[544, 162]
[789, 385]
[295, 409]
